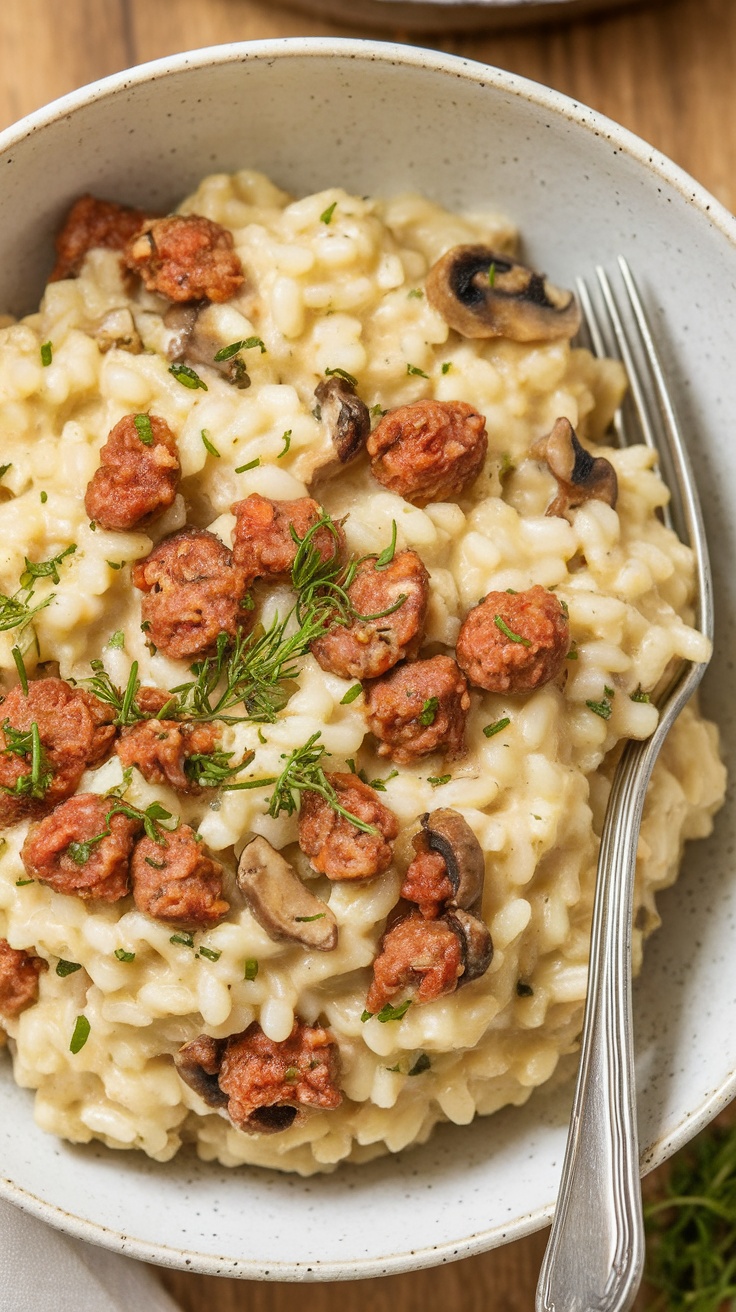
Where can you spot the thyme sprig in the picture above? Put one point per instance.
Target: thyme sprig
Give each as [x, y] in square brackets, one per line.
[322, 585]
[303, 773]
[27, 743]
[123, 701]
[16, 610]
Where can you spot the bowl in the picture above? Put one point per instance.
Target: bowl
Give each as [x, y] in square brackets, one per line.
[382, 118]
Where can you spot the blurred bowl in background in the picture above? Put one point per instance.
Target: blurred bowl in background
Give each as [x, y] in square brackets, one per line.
[455, 15]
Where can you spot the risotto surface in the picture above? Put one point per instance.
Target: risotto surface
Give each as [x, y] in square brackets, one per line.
[331, 286]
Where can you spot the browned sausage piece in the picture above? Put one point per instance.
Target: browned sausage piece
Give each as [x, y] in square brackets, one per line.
[151, 701]
[367, 648]
[334, 845]
[419, 708]
[194, 591]
[74, 731]
[421, 957]
[92, 223]
[160, 749]
[186, 257]
[176, 881]
[138, 474]
[82, 849]
[514, 641]
[19, 972]
[262, 1078]
[429, 450]
[263, 543]
[426, 881]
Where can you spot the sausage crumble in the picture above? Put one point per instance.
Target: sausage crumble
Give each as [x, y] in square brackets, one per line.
[367, 648]
[83, 848]
[186, 257]
[429, 450]
[419, 708]
[92, 223]
[421, 957]
[19, 974]
[264, 546]
[336, 847]
[514, 642]
[174, 880]
[138, 474]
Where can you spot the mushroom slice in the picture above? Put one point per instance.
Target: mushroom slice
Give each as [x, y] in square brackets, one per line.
[198, 1063]
[482, 294]
[344, 415]
[192, 338]
[448, 833]
[580, 476]
[118, 329]
[476, 941]
[281, 904]
[271, 1120]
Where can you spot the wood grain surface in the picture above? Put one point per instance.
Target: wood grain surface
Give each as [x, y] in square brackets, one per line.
[664, 70]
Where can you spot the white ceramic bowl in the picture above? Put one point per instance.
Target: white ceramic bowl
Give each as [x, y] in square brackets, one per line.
[379, 118]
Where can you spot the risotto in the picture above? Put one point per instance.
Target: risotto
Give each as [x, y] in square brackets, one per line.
[324, 612]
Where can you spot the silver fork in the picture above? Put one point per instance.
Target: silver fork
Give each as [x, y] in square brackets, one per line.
[595, 1255]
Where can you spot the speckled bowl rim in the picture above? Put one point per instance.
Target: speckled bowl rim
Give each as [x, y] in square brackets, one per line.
[621, 139]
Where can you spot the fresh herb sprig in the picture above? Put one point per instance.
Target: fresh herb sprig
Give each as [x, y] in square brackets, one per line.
[303, 772]
[27, 743]
[122, 700]
[213, 769]
[16, 610]
[322, 584]
[691, 1256]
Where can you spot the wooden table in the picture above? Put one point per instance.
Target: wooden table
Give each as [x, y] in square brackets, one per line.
[665, 70]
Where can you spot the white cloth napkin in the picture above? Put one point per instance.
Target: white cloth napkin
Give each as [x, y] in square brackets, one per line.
[41, 1269]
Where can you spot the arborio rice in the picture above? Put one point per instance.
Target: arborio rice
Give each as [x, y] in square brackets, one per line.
[335, 283]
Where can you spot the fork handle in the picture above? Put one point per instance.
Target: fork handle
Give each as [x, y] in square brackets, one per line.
[595, 1255]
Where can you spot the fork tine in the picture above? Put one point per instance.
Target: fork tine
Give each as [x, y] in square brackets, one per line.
[601, 348]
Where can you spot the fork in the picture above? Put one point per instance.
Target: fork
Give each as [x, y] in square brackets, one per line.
[595, 1254]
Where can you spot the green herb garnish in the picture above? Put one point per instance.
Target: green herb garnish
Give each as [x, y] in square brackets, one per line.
[388, 1012]
[388, 552]
[4, 468]
[47, 354]
[501, 624]
[286, 439]
[208, 445]
[44, 496]
[421, 1064]
[351, 694]
[252, 464]
[342, 373]
[210, 953]
[117, 639]
[602, 708]
[640, 696]
[416, 371]
[492, 729]
[227, 352]
[428, 713]
[184, 940]
[17, 655]
[447, 366]
[213, 769]
[326, 215]
[144, 429]
[251, 969]
[307, 920]
[436, 780]
[64, 968]
[303, 772]
[187, 377]
[80, 1035]
[122, 955]
[492, 275]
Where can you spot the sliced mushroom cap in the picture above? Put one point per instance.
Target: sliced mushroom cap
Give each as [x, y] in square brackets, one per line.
[344, 415]
[477, 944]
[482, 294]
[118, 329]
[193, 338]
[280, 902]
[198, 1063]
[580, 476]
[448, 833]
[271, 1120]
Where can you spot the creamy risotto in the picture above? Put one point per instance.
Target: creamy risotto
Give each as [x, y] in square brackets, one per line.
[351, 880]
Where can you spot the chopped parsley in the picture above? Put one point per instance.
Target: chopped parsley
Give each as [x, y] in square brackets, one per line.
[416, 294]
[342, 373]
[80, 1035]
[144, 429]
[44, 569]
[47, 354]
[115, 564]
[36, 782]
[20, 667]
[286, 439]
[117, 639]
[208, 444]
[251, 969]
[326, 215]
[210, 953]
[122, 955]
[447, 366]
[388, 1012]
[501, 624]
[64, 968]
[436, 780]
[252, 464]
[428, 713]
[377, 412]
[492, 729]
[44, 498]
[307, 920]
[639, 695]
[227, 352]
[187, 377]
[4, 469]
[351, 694]
[184, 940]
[21, 883]
[416, 371]
[378, 784]
[602, 708]
[492, 275]
[388, 552]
